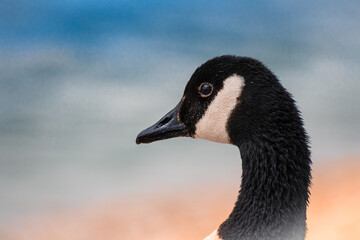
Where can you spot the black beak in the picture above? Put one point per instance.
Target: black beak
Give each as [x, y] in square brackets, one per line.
[168, 126]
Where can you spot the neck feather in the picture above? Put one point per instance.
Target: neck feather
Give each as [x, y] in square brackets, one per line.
[274, 191]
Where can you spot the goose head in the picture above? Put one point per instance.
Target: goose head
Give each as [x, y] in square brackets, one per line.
[224, 101]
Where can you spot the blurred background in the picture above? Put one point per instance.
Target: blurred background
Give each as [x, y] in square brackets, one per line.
[80, 79]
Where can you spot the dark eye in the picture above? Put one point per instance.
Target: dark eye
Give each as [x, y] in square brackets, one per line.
[205, 89]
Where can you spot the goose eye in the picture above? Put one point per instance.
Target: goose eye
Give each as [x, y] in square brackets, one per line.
[205, 89]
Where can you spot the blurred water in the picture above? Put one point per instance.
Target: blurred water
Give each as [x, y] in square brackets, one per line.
[80, 79]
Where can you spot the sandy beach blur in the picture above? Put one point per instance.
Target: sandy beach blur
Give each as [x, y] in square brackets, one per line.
[334, 212]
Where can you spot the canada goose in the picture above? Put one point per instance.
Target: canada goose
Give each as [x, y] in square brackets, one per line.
[237, 100]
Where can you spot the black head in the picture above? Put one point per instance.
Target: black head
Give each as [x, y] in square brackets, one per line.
[225, 100]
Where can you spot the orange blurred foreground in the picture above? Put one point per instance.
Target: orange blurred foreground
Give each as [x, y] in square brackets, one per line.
[334, 213]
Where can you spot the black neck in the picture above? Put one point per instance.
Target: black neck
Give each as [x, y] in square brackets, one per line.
[274, 190]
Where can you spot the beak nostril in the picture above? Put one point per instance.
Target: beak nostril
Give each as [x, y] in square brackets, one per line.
[163, 122]
[168, 126]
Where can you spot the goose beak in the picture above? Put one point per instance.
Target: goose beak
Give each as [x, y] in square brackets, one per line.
[168, 126]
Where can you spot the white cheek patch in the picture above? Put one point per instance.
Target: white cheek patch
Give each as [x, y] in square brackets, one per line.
[213, 125]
